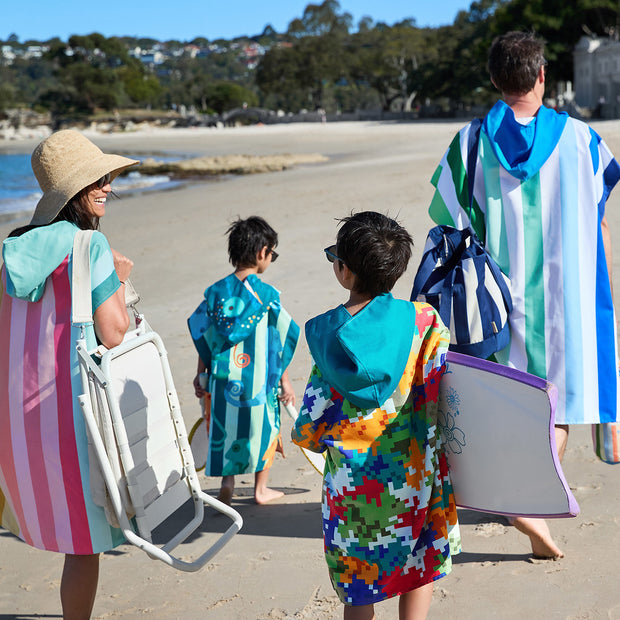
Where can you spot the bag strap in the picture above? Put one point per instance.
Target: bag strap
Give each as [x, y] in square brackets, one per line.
[81, 300]
[472, 160]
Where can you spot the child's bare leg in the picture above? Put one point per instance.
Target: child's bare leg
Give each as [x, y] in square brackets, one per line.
[262, 493]
[359, 612]
[226, 490]
[414, 605]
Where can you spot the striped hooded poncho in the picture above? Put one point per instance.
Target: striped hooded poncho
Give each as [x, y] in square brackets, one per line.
[539, 198]
[246, 340]
[45, 492]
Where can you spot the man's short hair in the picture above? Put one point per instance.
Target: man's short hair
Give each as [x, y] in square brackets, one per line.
[515, 59]
[246, 238]
[376, 249]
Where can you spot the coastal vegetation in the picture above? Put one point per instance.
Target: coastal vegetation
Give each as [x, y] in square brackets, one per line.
[321, 62]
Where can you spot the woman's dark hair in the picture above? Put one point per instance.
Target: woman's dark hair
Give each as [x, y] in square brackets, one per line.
[376, 249]
[515, 59]
[76, 211]
[246, 238]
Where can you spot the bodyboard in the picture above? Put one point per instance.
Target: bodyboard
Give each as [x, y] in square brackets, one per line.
[497, 424]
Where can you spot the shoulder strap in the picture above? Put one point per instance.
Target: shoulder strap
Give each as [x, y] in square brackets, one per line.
[472, 158]
[81, 300]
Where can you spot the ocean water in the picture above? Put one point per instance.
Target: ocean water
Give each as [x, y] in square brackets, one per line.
[20, 192]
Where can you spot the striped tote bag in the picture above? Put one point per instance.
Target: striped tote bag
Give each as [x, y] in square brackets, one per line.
[469, 291]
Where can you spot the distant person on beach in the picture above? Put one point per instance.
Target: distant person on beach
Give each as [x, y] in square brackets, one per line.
[45, 493]
[389, 517]
[541, 183]
[245, 341]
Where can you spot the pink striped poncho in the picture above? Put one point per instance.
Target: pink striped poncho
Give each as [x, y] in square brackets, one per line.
[45, 494]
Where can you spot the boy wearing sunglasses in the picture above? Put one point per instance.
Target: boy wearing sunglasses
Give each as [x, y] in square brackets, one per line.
[389, 516]
[245, 341]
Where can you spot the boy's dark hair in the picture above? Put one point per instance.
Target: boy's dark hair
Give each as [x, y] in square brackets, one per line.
[246, 238]
[515, 59]
[376, 249]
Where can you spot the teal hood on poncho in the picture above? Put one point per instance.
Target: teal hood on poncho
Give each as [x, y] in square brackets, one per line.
[32, 257]
[523, 149]
[363, 356]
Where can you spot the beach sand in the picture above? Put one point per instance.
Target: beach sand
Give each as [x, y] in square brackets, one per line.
[274, 568]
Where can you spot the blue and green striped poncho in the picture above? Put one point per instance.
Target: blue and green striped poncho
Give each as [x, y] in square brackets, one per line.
[538, 201]
[246, 340]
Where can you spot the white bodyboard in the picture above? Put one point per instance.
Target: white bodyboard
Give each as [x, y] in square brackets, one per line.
[497, 424]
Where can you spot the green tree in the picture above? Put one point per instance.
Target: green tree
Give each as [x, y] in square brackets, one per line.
[141, 87]
[561, 24]
[83, 89]
[385, 58]
[321, 19]
[224, 96]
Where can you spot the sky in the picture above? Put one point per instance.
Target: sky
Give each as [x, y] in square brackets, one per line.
[187, 19]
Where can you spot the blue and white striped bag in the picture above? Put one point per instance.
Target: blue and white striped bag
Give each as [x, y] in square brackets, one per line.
[464, 284]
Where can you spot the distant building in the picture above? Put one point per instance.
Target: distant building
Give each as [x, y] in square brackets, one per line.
[597, 76]
[8, 54]
[152, 57]
[35, 51]
[251, 54]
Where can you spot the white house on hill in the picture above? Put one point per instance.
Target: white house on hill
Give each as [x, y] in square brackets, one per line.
[597, 76]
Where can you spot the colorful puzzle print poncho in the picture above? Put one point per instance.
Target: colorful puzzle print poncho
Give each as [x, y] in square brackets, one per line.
[45, 496]
[246, 340]
[389, 516]
[539, 197]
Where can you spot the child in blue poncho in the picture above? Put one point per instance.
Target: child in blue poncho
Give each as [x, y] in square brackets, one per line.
[245, 341]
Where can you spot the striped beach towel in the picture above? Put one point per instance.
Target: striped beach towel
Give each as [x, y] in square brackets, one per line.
[539, 198]
[45, 494]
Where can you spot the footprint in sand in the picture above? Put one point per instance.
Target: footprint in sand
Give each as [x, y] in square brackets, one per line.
[489, 529]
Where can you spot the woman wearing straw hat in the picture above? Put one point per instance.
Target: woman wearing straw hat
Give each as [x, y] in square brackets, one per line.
[45, 494]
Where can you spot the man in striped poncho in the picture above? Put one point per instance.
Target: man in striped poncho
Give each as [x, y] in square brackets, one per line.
[541, 181]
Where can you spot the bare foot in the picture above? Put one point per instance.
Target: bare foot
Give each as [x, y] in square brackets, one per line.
[543, 547]
[266, 495]
[225, 495]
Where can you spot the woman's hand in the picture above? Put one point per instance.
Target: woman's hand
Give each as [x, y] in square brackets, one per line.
[122, 265]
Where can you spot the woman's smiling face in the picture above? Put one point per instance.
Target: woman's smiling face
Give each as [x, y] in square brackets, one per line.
[96, 198]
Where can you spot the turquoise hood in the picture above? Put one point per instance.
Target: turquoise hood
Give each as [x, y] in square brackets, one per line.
[32, 257]
[523, 149]
[363, 357]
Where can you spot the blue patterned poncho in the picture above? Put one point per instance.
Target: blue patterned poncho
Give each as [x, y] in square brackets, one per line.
[246, 340]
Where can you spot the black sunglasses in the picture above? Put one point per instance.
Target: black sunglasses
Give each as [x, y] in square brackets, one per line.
[274, 256]
[330, 254]
[103, 181]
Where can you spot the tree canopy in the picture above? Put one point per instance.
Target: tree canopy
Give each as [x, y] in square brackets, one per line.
[320, 61]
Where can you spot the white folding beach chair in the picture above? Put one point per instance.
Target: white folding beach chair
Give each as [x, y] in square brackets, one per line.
[138, 434]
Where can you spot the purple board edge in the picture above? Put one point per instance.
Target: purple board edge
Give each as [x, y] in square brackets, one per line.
[552, 393]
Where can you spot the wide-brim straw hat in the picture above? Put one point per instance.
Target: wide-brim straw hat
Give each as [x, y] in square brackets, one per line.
[64, 164]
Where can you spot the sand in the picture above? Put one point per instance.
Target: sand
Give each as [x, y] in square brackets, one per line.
[274, 568]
